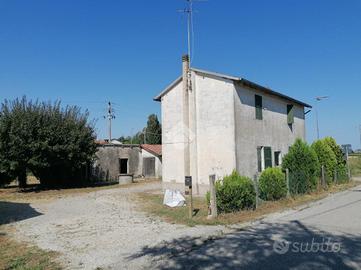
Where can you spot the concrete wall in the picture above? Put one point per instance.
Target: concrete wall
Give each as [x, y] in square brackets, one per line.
[272, 130]
[106, 166]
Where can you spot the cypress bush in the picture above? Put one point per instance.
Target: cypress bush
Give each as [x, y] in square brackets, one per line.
[272, 184]
[235, 193]
[303, 165]
[326, 158]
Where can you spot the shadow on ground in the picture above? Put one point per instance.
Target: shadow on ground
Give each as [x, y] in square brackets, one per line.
[14, 211]
[260, 248]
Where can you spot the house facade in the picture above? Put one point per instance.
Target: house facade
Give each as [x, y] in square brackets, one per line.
[214, 123]
[116, 161]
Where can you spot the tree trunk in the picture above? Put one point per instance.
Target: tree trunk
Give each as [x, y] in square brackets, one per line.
[22, 178]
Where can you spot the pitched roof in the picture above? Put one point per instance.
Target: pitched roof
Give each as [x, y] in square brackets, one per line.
[236, 79]
[155, 149]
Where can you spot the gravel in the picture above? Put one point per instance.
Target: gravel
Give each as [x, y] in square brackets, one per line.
[103, 229]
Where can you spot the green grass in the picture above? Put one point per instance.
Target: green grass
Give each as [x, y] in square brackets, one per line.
[21, 256]
[153, 205]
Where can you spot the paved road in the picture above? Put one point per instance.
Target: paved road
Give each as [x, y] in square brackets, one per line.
[326, 235]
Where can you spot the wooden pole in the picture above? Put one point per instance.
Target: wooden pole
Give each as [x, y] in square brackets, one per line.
[213, 198]
[190, 202]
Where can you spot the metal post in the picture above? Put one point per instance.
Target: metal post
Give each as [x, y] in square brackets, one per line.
[256, 189]
[288, 181]
[213, 198]
[323, 175]
[335, 176]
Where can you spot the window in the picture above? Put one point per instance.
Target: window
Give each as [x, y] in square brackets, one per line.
[267, 157]
[258, 106]
[277, 158]
[123, 166]
[290, 116]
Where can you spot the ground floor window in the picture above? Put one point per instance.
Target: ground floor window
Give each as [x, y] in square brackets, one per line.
[123, 166]
[277, 158]
[264, 157]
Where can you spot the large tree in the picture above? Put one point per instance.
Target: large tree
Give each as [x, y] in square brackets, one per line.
[153, 131]
[52, 142]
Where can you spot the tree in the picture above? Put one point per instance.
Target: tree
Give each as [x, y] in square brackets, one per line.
[326, 157]
[302, 162]
[337, 150]
[52, 142]
[153, 131]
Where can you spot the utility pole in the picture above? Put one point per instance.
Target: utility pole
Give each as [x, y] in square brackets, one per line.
[317, 125]
[360, 136]
[110, 116]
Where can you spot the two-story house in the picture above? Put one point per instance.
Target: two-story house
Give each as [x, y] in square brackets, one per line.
[214, 123]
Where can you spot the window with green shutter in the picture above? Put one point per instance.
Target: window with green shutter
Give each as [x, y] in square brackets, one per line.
[290, 116]
[267, 157]
[258, 106]
[259, 158]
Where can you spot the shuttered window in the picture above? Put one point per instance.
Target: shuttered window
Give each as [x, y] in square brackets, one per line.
[267, 157]
[259, 158]
[258, 106]
[290, 116]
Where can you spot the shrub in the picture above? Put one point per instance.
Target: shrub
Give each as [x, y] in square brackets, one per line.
[302, 162]
[337, 150]
[235, 193]
[272, 184]
[326, 158]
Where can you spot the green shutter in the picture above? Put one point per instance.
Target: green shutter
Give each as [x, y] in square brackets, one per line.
[290, 117]
[258, 106]
[267, 157]
[259, 158]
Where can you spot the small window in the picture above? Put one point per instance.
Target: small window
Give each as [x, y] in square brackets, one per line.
[258, 106]
[267, 157]
[123, 166]
[277, 158]
[290, 116]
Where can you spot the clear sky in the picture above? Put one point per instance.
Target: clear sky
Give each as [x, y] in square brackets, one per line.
[89, 52]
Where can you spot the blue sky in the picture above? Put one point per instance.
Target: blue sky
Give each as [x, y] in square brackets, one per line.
[88, 52]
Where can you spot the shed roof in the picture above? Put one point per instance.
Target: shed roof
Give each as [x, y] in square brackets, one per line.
[155, 149]
[236, 79]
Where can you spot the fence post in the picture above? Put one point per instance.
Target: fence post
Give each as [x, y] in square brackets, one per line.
[288, 181]
[213, 196]
[335, 176]
[256, 189]
[323, 175]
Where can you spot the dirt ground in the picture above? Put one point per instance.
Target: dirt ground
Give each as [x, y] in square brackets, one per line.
[102, 229]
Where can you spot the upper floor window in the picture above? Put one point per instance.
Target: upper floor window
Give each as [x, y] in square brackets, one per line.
[290, 116]
[258, 106]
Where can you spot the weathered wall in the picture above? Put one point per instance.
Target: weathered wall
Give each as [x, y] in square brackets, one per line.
[106, 166]
[272, 130]
[158, 162]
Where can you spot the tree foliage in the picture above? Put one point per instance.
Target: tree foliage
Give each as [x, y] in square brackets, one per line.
[326, 158]
[52, 142]
[337, 150]
[302, 162]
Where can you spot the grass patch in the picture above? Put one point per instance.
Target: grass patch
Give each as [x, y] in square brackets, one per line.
[355, 165]
[153, 205]
[20, 256]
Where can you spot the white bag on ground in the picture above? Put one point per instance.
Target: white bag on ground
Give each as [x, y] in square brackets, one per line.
[173, 198]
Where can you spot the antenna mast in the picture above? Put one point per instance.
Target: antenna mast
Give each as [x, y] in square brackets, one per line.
[110, 116]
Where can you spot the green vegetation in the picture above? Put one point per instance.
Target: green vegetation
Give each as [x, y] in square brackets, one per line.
[151, 134]
[272, 184]
[53, 143]
[303, 165]
[355, 165]
[326, 158]
[235, 193]
[20, 256]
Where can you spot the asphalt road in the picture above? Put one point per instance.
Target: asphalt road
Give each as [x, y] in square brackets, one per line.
[325, 235]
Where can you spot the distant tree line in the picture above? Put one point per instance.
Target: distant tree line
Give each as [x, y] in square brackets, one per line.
[151, 134]
[54, 143]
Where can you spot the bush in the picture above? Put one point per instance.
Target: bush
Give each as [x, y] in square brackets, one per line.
[326, 158]
[235, 193]
[302, 162]
[272, 184]
[341, 167]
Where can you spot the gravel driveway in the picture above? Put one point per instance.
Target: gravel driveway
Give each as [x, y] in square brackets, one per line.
[102, 229]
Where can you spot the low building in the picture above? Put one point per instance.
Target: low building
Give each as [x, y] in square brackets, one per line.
[214, 123]
[114, 161]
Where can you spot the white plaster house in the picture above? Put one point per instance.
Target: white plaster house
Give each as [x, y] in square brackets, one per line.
[214, 123]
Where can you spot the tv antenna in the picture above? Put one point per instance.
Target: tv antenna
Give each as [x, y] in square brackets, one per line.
[190, 33]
